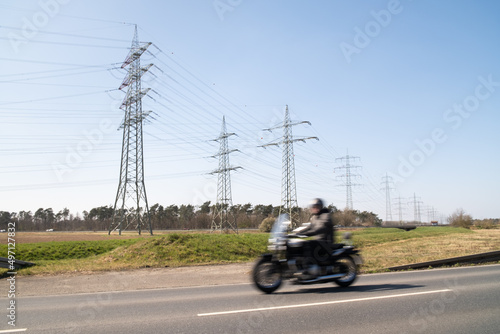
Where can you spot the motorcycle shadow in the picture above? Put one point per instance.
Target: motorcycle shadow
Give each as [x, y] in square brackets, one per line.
[356, 288]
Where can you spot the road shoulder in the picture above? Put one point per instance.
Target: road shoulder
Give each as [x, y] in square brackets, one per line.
[129, 280]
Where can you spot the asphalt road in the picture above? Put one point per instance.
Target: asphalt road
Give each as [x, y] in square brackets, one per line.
[458, 300]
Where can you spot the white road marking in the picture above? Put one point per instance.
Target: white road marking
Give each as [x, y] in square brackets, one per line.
[13, 330]
[321, 303]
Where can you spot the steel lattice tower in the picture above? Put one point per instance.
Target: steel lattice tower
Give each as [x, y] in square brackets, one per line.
[348, 176]
[289, 202]
[222, 220]
[431, 213]
[416, 209]
[400, 209]
[387, 181]
[131, 203]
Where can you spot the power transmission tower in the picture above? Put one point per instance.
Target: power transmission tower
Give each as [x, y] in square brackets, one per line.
[289, 202]
[416, 208]
[131, 203]
[431, 213]
[221, 220]
[400, 209]
[348, 176]
[387, 181]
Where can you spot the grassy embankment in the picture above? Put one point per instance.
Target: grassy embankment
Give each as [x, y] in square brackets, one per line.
[380, 248]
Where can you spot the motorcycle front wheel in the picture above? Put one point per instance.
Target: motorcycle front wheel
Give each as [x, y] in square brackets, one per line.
[267, 275]
[347, 266]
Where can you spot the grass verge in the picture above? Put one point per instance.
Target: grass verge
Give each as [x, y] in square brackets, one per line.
[380, 247]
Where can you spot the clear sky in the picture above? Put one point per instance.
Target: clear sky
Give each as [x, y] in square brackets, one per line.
[411, 88]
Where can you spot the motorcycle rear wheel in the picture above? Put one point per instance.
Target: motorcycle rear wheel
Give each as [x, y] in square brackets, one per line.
[267, 275]
[348, 266]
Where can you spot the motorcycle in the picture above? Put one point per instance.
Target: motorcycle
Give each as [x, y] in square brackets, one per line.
[304, 261]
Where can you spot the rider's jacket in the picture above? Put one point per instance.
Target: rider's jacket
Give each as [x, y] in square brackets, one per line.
[321, 226]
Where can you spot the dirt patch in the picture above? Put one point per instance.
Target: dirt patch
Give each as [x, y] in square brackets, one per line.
[34, 237]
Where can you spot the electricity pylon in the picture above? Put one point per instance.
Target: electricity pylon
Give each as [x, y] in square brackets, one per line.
[400, 209]
[222, 220]
[416, 209]
[289, 202]
[131, 203]
[431, 213]
[348, 176]
[387, 181]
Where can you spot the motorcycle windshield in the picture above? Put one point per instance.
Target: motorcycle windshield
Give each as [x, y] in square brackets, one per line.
[280, 227]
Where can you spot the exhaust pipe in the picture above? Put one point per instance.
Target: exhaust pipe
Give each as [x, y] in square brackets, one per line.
[321, 278]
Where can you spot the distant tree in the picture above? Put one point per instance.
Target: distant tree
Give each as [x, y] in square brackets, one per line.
[61, 219]
[369, 219]
[101, 216]
[243, 215]
[5, 219]
[157, 213]
[25, 217]
[246, 208]
[64, 213]
[25, 220]
[345, 218]
[348, 217]
[234, 209]
[205, 207]
[460, 219]
[332, 208]
[263, 210]
[172, 216]
[186, 213]
[49, 216]
[486, 223]
[39, 215]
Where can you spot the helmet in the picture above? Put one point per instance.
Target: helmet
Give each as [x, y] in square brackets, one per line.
[316, 202]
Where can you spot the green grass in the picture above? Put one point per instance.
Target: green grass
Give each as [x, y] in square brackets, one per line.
[380, 247]
[186, 249]
[63, 250]
[170, 250]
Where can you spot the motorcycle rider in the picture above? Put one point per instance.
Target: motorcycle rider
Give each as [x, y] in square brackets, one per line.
[320, 224]
[320, 227]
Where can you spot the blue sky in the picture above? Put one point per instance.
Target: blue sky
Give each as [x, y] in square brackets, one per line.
[412, 88]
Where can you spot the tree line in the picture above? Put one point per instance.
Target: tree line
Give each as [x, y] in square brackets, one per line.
[162, 217]
[175, 217]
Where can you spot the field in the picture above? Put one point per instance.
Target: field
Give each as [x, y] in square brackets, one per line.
[71, 252]
[35, 237]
